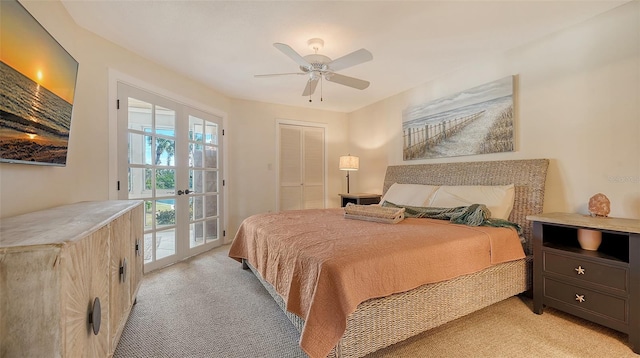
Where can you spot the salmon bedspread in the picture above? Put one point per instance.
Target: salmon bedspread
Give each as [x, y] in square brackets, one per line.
[324, 266]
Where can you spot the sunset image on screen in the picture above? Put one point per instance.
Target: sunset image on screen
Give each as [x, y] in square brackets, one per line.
[30, 50]
[36, 91]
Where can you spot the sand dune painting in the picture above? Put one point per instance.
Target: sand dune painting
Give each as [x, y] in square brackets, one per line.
[475, 121]
[37, 84]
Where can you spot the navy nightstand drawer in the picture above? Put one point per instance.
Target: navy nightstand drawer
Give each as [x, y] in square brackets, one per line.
[586, 270]
[592, 301]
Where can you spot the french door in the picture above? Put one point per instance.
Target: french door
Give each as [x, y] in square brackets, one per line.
[169, 156]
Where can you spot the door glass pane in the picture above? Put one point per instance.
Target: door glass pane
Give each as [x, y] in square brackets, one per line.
[165, 212]
[139, 145]
[196, 129]
[196, 234]
[195, 208]
[148, 216]
[165, 151]
[165, 243]
[211, 133]
[211, 181]
[139, 114]
[211, 230]
[165, 181]
[203, 232]
[165, 121]
[139, 187]
[148, 244]
[195, 155]
[196, 180]
[201, 181]
[211, 205]
[211, 157]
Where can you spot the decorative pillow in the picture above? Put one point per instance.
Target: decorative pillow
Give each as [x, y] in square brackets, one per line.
[498, 199]
[409, 194]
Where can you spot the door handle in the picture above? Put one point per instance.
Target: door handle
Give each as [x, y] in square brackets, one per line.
[123, 270]
[186, 191]
[95, 316]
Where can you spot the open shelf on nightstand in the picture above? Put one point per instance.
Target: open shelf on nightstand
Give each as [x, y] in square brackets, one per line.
[614, 246]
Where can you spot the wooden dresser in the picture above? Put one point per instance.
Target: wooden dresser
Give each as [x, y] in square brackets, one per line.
[68, 278]
[602, 286]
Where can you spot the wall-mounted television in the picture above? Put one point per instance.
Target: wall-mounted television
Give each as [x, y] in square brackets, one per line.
[37, 87]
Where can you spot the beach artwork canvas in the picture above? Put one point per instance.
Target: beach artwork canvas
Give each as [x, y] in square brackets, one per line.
[476, 121]
[37, 84]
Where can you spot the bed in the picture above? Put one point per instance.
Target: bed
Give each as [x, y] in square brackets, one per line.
[379, 322]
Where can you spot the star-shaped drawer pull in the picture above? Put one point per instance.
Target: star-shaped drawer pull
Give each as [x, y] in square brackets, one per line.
[580, 270]
[580, 298]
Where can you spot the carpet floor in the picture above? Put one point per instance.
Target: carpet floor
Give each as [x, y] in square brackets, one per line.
[207, 306]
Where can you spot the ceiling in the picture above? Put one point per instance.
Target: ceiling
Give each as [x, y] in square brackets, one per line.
[223, 44]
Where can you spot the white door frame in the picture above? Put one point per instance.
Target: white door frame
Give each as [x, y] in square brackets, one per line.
[116, 76]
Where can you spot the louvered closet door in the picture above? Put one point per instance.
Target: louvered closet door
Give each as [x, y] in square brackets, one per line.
[301, 167]
[313, 168]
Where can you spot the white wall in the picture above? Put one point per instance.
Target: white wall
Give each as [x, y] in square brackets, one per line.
[578, 104]
[252, 155]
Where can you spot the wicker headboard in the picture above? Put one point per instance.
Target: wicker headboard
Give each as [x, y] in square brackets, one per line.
[528, 177]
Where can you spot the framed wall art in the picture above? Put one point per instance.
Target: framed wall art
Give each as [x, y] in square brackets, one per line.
[475, 121]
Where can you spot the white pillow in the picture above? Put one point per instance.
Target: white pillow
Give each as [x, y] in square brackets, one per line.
[409, 194]
[498, 199]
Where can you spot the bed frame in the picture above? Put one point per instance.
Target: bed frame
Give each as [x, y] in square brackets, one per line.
[381, 322]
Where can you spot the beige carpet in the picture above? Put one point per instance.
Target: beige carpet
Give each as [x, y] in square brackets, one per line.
[208, 306]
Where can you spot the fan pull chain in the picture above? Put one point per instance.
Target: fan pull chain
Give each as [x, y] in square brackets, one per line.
[321, 88]
[308, 84]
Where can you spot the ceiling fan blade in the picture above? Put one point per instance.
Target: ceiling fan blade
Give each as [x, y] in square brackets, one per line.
[348, 81]
[352, 59]
[311, 87]
[280, 74]
[292, 54]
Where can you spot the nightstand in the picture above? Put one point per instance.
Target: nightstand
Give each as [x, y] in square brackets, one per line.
[360, 199]
[602, 286]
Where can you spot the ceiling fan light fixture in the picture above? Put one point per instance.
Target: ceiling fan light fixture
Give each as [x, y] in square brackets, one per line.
[318, 67]
[316, 44]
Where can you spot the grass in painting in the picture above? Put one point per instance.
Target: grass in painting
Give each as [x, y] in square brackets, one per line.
[500, 136]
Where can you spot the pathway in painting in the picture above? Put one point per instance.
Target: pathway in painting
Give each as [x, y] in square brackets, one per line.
[467, 141]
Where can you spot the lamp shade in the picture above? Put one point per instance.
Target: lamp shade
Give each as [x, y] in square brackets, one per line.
[349, 162]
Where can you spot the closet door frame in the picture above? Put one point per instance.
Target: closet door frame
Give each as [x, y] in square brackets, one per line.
[324, 126]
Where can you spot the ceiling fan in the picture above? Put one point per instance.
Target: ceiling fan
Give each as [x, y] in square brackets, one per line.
[318, 67]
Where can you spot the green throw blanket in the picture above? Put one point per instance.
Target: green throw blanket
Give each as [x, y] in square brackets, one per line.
[472, 215]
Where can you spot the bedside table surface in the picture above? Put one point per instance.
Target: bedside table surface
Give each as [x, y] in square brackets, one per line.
[359, 195]
[608, 223]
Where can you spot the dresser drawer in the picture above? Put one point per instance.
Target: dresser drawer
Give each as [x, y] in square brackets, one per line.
[591, 301]
[586, 270]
